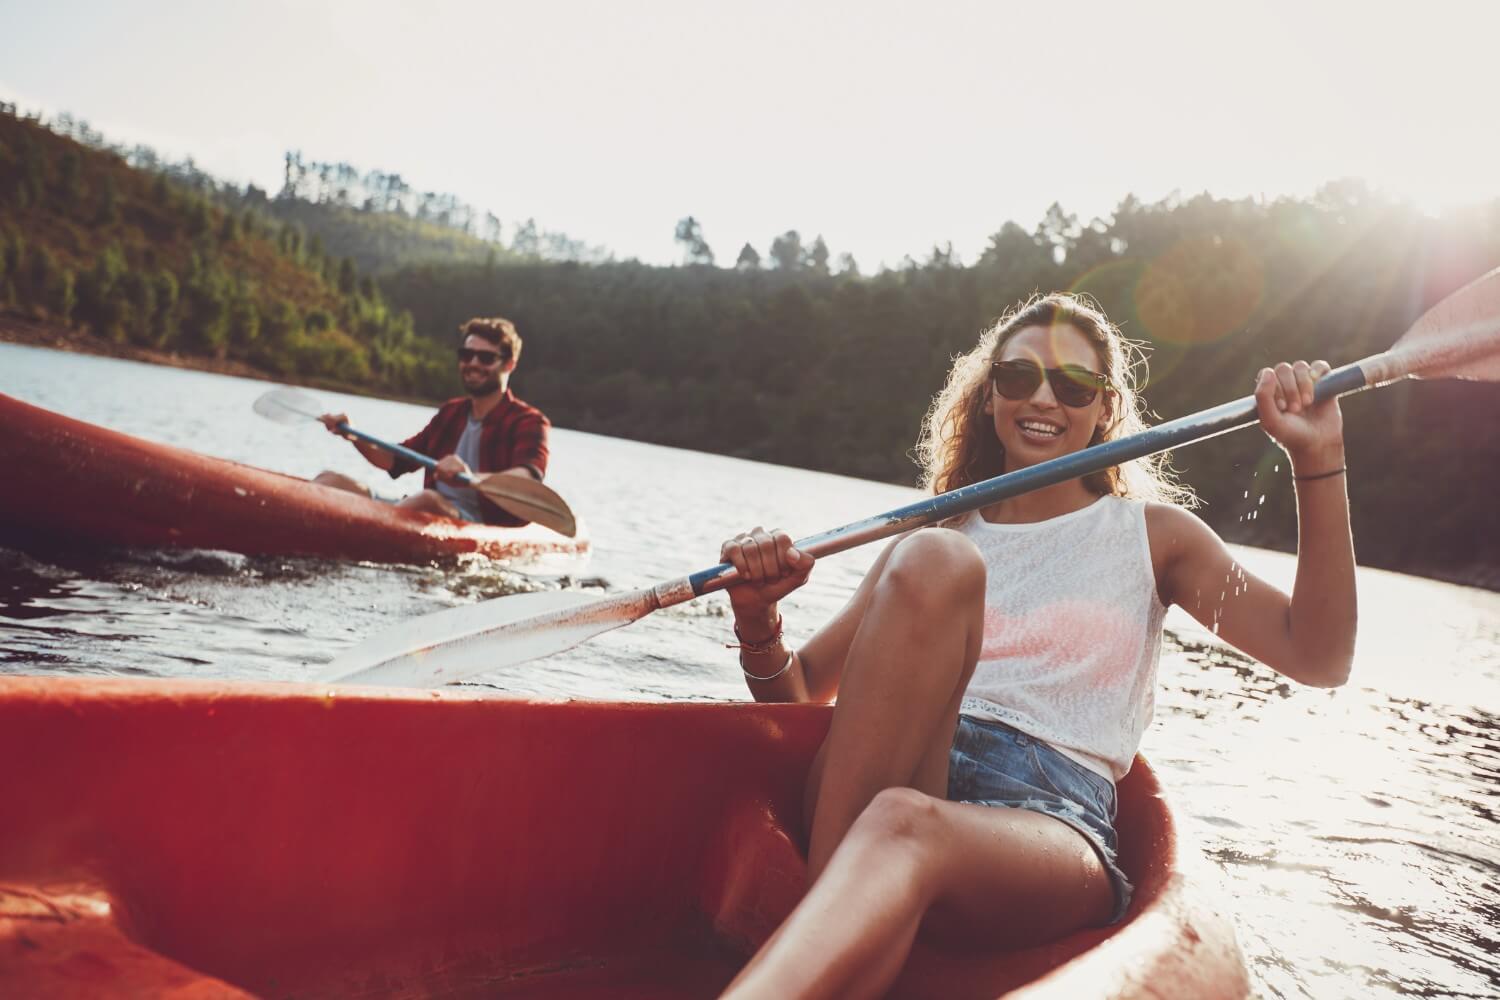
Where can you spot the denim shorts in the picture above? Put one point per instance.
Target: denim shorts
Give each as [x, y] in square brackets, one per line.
[992, 764]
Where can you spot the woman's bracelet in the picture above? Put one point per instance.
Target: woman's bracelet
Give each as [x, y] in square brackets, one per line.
[791, 654]
[764, 646]
[1322, 475]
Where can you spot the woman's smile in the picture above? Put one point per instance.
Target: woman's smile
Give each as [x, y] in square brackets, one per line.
[1039, 430]
[1040, 427]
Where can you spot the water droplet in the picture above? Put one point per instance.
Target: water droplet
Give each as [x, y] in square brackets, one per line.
[1261, 500]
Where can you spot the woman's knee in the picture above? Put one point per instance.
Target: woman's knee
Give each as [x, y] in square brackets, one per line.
[935, 566]
[430, 502]
[339, 481]
[899, 818]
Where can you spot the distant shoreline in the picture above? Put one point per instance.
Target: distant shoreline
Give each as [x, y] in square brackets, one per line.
[18, 329]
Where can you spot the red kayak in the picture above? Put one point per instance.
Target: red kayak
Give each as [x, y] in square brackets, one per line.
[207, 839]
[79, 482]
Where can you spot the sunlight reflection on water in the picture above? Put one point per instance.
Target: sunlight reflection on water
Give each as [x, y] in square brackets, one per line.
[1353, 832]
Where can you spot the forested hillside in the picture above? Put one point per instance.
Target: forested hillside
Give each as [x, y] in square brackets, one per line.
[141, 258]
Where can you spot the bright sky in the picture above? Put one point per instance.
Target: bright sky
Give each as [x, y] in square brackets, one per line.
[887, 127]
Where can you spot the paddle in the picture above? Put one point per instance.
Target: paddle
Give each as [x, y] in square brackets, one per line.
[1457, 338]
[521, 495]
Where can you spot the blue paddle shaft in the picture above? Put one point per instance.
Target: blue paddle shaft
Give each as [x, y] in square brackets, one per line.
[400, 449]
[1184, 430]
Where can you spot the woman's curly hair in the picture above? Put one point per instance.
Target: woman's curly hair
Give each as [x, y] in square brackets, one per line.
[958, 446]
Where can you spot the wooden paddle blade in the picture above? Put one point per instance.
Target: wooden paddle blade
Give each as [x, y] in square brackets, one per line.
[1459, 337]
[528, 498]
[286, 405]
[462, 642]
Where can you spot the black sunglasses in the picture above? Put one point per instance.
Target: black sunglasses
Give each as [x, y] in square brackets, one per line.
[483, 357]
[1073, 385]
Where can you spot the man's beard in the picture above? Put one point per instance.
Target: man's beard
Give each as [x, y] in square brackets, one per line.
[489, 385]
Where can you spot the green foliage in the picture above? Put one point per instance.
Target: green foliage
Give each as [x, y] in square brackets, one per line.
[347, 279]
[786, 251]
[280, 335]
[165, 291]
[168, 258]
[817, 257]
[289, 241]
[136, 289]
[61, 296]
[199, 218]
[244, 322]
[109, 203]
[205, 326]
[695, 249]
[102, 304]
[69, 182]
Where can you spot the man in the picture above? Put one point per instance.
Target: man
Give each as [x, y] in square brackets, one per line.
[489, 430]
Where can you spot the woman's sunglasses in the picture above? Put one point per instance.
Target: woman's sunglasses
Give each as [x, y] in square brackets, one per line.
[1073, 385]
[483, 357]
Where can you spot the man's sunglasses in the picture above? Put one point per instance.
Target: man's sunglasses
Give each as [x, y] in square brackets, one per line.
[1073, 385]
[483, 357]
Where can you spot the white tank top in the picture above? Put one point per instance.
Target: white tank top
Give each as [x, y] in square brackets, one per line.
[1072, 631]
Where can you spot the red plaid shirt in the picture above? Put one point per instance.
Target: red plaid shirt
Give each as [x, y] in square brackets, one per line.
[513, 433]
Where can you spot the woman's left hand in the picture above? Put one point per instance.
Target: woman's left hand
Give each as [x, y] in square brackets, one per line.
[1284, 398]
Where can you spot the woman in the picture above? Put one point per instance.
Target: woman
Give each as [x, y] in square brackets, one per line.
[994, 676]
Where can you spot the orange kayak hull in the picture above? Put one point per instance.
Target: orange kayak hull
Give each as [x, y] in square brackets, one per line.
[200, 839]
[77, 482]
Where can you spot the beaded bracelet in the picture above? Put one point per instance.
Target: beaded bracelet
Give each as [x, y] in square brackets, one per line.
[790, 655]
[1322, 475]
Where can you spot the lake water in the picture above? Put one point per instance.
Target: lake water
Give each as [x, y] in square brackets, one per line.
[1353, 832]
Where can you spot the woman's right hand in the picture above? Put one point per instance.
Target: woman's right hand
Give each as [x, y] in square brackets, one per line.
[332, 422]
[770, 567]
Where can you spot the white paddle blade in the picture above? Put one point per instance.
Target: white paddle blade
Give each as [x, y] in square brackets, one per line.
[535, 501]
[1459, 337]
[288, 406]
[452, 645]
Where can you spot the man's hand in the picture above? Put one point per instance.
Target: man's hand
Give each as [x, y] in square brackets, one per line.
[450, 469]
[332, 422]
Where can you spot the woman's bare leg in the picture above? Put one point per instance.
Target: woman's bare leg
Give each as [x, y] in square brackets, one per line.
[427, 501]
[999, 874]
[431, 502]
[339, 481]
[904, 676]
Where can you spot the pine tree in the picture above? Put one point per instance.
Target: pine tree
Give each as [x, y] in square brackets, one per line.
[786, 251]
[817, 257]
